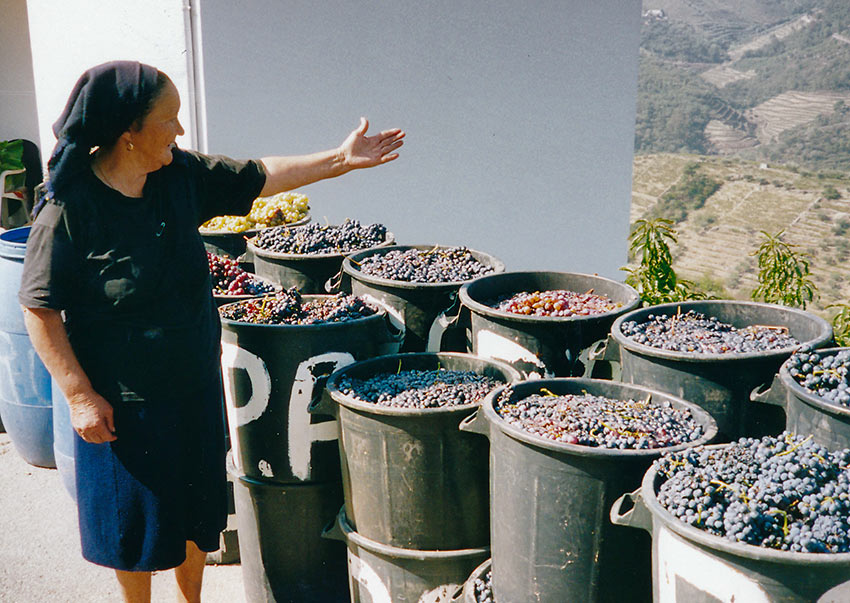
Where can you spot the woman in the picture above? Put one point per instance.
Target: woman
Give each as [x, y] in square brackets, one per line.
[116, 248]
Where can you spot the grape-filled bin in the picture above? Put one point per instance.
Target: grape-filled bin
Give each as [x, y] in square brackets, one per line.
[806, 412]
[554, 344]
[549, 498]
[721, 383]
[272, 372]
[424, 311]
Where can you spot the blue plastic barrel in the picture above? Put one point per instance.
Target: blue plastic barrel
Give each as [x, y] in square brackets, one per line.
[25, 402]
[63, 441]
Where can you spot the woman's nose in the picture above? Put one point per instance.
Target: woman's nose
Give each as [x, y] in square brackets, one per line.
[180, 130]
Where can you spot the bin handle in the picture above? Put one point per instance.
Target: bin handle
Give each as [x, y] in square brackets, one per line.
[457, 597]
[476, 423]
[322, 403]
[445, 321]
[776, 394]
[394, 338]
[334, 283]
[605, 349]
[636, 517]
[333, 531]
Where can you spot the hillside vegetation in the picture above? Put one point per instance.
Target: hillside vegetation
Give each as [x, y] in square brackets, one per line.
[759, 79]
[719, 232]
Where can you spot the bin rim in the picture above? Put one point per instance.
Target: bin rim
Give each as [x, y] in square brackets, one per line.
[204, 232]
[380, 314]
[368, 407]
[823, 338]
[480, 308]
[701, 416]
[393, 551]
[809, 397]
[348, 266]
[738, 549]
[336, 255]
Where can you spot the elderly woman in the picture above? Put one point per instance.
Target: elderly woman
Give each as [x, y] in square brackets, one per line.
[116, 248]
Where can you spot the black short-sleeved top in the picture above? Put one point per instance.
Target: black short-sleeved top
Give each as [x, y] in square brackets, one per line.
[133, 279]
[97, 251]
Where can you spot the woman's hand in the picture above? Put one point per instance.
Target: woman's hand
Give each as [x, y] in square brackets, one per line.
[361, 151]
[92, 418]
[357, 151]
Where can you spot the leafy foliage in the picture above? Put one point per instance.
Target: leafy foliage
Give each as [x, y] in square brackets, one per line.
[680, 41]
[12, 158]
[11, 155]
[841, 324]
[783, 273]
[673, 108]
[687, 195]
[654, 278]
[830, 192]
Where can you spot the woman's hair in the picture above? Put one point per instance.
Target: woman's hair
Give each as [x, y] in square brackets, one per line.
[147, 103]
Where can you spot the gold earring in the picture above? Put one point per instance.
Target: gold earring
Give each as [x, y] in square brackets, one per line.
[129, 146]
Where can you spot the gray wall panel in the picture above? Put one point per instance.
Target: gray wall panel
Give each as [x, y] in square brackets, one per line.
[519, 117]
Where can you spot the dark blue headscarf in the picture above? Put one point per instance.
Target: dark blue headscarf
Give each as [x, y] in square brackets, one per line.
[104, 103]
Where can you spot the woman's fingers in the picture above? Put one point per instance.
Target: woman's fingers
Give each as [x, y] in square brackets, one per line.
[109, 420]
[92, 418]
[97, 434]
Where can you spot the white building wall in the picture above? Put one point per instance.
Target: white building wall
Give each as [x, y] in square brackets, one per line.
[520, 115]
[18, 117]
[70, 36]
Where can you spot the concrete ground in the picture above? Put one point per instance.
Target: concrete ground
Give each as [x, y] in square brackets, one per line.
[40, 557]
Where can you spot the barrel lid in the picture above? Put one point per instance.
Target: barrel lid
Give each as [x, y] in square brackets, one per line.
[746, 314]
[597, 387]
[467, 298]
[13, 242]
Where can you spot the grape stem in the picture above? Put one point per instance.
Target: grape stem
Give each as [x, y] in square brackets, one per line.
[793, 448]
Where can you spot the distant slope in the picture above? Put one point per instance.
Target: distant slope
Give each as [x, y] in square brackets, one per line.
[755, 78]
[715, 241]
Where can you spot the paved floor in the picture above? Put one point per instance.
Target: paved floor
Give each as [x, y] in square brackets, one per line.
[40, 556]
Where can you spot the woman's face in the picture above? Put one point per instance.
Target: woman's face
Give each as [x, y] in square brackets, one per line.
[153, 142]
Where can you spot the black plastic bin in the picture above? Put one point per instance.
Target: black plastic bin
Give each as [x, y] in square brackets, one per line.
[690, 565]
[271, 375]
[719, 383]
[379, 573]
[423, 311]
[807, 413]
[541, 346]
[412, 479]
[308, 272]
[551, 540]
[283, 555]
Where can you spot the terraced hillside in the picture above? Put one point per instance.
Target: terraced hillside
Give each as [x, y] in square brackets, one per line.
[764, 80]
[717, 240]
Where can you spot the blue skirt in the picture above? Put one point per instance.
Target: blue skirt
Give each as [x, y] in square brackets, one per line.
[161, 483]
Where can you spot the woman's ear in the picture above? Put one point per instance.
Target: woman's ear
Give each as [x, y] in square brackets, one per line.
[126, 139]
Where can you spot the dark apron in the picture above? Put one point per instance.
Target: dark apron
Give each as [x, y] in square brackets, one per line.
[163, 481]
